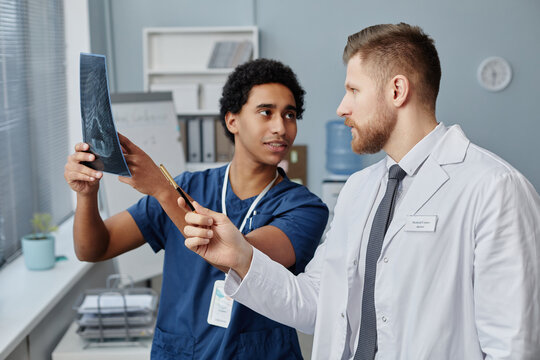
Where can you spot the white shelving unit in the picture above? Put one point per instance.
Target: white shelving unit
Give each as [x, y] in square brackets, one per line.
[174, 57]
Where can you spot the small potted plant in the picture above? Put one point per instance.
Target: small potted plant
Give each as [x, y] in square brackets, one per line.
[38, 247]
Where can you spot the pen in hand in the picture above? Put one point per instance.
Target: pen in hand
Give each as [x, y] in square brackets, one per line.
[175, 185]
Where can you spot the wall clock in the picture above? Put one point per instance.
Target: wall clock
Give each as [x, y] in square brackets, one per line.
[494, 73]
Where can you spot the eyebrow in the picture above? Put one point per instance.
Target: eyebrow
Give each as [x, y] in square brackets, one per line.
[273, 106]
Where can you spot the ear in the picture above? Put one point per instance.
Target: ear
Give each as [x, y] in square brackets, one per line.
[231, 121]
[400, 88]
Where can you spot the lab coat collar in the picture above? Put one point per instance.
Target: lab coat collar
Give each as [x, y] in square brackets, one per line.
[451, 149]
[414, 159]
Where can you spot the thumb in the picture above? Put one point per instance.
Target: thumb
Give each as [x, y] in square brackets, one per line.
[128, 145]
[205, 211]
[217, 217]
[124, 179]
[202, 210]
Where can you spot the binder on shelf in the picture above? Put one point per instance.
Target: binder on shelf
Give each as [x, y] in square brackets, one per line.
[182, 129]
[242, 53]
[194, 140]
[229, 54]
[208, 139]
[222, 52]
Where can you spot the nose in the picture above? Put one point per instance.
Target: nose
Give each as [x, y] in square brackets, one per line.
[343, 108]
[278, 125]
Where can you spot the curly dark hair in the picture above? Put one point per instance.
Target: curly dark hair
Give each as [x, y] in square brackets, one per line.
[257, 72]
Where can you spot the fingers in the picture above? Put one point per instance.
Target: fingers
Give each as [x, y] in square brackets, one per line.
[80, 156]
[82, 147]
[126, 144]
[202, 216]
[204, 211]
[72, 176]
[198, 232]
[193, 218]
[193, 244]
[182, 204]
[74, 170]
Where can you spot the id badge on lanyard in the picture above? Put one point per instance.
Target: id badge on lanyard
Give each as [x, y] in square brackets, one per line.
[221, 305]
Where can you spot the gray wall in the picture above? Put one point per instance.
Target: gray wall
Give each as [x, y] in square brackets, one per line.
[310, 36]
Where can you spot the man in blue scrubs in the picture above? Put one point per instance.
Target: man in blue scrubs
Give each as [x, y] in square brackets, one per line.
[261, 102]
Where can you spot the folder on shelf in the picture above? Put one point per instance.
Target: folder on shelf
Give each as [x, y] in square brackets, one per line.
[221, 54]
[208, 139]
[194, 140]
[182, 128]
[242, 53]
[229, 54]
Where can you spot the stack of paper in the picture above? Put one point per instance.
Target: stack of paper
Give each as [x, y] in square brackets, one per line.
[119, 314]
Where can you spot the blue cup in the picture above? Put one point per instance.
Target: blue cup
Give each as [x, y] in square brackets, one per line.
[38, 251]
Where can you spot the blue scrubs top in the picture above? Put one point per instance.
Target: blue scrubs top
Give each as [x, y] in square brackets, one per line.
[182, 330]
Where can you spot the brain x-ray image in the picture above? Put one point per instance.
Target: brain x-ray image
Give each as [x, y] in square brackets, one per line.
[98, 126]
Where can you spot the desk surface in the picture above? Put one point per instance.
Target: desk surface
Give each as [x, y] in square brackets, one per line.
[72, 347]
[26, 297]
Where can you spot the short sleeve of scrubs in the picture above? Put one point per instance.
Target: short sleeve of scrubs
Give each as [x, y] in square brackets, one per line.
[152, 220]
[301, 216]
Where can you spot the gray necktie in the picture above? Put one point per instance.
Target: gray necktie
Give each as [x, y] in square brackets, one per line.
[367, 341]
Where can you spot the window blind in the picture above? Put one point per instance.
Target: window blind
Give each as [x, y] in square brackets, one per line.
[33, 117]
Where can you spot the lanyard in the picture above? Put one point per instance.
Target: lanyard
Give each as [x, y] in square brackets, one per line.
[255, 202]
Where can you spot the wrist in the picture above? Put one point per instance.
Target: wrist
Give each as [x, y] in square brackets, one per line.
[243, 263]
[87, 196]
[164, 192]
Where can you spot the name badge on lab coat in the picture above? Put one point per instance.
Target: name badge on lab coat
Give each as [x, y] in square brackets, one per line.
[221, 305]
[423, 223]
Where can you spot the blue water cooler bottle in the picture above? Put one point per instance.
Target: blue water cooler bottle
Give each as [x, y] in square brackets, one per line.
[341, 162]
[340, 159]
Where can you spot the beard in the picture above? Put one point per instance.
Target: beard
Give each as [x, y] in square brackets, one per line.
[372, 137]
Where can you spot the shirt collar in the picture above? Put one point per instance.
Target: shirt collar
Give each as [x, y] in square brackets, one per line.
[412, 161]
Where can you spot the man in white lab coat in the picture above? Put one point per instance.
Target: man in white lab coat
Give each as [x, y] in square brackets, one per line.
[458, 272]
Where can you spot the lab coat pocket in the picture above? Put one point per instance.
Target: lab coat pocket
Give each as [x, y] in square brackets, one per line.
[168, 346]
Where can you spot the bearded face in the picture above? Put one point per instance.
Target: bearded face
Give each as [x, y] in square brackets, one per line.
[365, 109]
[371, 133]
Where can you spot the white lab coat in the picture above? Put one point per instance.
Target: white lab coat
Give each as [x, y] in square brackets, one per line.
[468, 290]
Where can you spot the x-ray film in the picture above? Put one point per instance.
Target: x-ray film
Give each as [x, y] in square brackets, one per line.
[98, 126]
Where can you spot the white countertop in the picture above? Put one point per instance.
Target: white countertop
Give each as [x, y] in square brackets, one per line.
[27, 296]
[72, 346]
